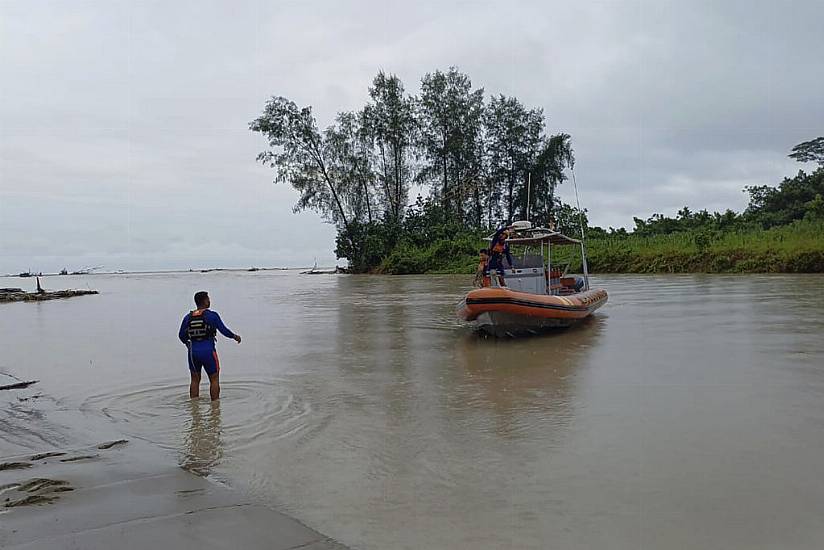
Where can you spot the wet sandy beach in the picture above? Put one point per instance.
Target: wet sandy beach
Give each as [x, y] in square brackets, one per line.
[124, 493]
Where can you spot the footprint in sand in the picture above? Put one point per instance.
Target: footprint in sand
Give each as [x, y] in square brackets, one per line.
[41, 490]
[110, 444]
[41, 456]
[14, 465]
[35, 491]
[76, 458]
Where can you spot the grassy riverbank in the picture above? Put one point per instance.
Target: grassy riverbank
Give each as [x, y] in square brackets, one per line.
[794, 248]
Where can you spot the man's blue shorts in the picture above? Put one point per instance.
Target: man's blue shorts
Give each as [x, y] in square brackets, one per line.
[205, 358]
[496, 263]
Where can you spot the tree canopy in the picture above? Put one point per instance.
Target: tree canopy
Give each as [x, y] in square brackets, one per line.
[809, 151]
[474, 159]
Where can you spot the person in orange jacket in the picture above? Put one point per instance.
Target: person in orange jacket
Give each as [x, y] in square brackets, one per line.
[499, 249]
[482, 275]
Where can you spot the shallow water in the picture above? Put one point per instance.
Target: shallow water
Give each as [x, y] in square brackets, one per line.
[687, 413]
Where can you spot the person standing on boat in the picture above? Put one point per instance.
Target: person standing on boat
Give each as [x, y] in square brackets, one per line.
[197, 332]
[482, 274]
[499, 249]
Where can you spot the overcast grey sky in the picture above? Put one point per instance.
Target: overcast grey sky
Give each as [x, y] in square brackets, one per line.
[123, 125]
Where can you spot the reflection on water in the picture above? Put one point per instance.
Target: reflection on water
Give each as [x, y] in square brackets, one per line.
[526, 382]
[250, 414]
[202, 437]
[686, 413]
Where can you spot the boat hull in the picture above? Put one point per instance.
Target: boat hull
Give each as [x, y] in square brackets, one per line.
[501, 311]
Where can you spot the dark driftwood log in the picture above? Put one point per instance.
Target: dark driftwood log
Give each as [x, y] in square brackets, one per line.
[40, 296]
[18, 385]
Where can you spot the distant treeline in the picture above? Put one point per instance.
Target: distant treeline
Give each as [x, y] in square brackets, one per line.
[483, 161]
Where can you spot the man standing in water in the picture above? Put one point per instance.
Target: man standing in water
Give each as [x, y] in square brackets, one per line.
[198, 332]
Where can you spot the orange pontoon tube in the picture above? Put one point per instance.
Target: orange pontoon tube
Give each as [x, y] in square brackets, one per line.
[571, 307]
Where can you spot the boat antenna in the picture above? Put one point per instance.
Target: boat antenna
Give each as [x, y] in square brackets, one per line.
[581, 223]
[528, 190]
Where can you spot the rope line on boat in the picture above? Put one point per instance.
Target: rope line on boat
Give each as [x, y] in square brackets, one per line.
[581, 223]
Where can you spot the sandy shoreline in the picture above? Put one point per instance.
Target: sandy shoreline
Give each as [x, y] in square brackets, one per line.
[119, 492]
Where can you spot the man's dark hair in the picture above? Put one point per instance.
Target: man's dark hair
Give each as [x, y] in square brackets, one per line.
[484, 251]
[200, 298]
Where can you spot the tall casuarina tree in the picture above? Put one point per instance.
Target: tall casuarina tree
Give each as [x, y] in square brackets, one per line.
[328, 169]
[554, 157]
[513, 139]
[450, 115]
[389, 120]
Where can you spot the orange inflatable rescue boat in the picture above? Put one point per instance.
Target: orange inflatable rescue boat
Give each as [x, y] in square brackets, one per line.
[532, 295]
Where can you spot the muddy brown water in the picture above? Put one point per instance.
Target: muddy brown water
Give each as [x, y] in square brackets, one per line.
[688, 413]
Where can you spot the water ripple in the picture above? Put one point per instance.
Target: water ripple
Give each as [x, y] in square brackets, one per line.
[251, 413]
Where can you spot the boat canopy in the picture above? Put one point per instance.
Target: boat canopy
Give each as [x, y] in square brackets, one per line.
[538, 235]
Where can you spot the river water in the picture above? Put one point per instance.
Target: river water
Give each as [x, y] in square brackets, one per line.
[688, 413]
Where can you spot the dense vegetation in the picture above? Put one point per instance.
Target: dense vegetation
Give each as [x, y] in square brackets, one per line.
[782, 230]
[476, 160]
[485, 162]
